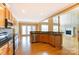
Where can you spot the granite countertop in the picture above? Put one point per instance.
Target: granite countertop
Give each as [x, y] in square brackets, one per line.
[45, 32]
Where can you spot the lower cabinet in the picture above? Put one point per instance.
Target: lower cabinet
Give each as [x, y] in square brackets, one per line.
[4, 49]
[58, 41]
[10, 47]
[52, 40]
[43, 38]
[7, 49]
[55, 39]
[36, 38]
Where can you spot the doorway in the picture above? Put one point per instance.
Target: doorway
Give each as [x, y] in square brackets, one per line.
[25, 32]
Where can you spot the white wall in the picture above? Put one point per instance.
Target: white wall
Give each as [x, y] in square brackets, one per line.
[70, 19]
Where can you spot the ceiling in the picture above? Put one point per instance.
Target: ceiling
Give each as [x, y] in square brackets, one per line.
[35, 12]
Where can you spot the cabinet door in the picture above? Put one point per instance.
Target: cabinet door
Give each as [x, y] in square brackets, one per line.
[58, 41]
[2, 17]
[37, 37]
[10, 47]
[43, 38]
[4, 49]
[7, 13]
[51, 40]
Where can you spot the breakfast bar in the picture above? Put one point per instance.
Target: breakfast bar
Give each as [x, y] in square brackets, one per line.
[52, 38]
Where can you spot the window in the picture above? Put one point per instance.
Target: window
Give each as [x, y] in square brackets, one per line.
[55, 25]
[23, 30]
[44, 28]
[26, 29]
[55, 28]
[33, 28]
[30, 28]
[55, 20]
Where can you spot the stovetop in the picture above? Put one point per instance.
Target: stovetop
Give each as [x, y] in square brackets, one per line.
[5, 37]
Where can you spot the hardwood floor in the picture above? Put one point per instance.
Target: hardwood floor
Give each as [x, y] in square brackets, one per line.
[26, 48]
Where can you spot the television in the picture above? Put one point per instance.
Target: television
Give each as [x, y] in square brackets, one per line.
[70, 31]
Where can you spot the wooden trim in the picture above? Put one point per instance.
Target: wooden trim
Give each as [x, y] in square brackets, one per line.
[67, 9]
[4, 16]
[58, 23]
[20, 37]
[50, 24]
[28, 23]
[46, 23]
[64, 11]
[38, 27]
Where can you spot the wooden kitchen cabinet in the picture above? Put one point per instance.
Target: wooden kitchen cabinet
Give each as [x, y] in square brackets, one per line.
[43, 38]
[37, 36]
[10, 52]
[34, 37]
[4, 50]
[53, 38]
[58, 41]
[2, 15]
[7, 49]
[7, 14]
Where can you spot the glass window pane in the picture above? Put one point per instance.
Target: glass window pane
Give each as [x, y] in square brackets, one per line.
[44, 28]
[55, 19]
[28, 29]
[33, 28]
[55, 28]
[23, 29]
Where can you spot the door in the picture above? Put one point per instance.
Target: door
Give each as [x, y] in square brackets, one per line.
[26, 29]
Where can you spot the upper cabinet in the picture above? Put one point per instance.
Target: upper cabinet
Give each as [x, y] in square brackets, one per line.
[7, 14]
[6, 17]
[2, 15]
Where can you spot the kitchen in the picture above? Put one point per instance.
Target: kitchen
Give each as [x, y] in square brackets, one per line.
[52, 31]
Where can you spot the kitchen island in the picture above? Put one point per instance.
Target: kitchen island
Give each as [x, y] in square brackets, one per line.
[52, 38]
